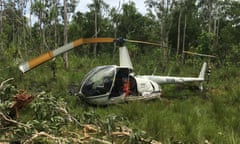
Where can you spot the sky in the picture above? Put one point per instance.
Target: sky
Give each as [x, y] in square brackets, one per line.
[82, 5]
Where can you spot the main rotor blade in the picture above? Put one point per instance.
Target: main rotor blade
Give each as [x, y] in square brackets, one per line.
[26, 66]
[142, 42]
[199, 54]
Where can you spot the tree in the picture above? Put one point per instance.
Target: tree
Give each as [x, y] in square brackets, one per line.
[65, 19]
[164, 13]
[97, 7]
[185, 27]
[190, 27]
[68, 8]
[1, 22]
[180, 7]
[229, 31]
[1, 14]
[39, 9]
[209, 12]
[115, 16]
[13, 31]
[131, 24]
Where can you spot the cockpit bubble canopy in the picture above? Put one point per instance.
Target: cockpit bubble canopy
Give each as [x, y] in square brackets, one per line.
[98, 81]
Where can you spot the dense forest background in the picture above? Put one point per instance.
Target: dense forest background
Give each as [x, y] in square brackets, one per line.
[209, 27]
[29, 28]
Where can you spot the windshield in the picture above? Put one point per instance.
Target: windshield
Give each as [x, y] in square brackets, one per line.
[98, 81]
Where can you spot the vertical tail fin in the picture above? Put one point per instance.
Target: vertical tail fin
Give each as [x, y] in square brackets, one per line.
[203, 71]
[202, 75]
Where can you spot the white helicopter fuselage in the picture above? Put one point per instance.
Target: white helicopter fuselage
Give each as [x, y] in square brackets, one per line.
[113, 84]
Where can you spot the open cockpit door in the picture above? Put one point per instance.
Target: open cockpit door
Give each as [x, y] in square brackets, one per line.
[124, 83]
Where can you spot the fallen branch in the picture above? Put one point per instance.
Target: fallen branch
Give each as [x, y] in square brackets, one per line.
[2, 84]
[61, 140]
[125, 131]
[122, 131]
[13, 121]
[44, 134]
[151, 141]
[86, 128]
[100, 140]
[120, 134]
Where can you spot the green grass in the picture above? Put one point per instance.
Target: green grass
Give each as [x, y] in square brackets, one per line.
[186, 116]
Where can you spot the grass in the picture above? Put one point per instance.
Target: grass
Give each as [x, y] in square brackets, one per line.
[186, 116]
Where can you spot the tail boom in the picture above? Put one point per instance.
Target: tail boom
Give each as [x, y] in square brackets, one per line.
[173, 80]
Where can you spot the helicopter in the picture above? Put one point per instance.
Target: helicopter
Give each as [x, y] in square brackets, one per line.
[112, 84]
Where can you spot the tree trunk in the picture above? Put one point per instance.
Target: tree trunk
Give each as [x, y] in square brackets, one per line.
[179, 32]
[96, 32]
[162, 40]
[30, 19]
[65, 57]
[184, 38]
[53, 66]
[166, 23]
[41, 29]
[217, 31]
[1, 29]
[209, 16]
[55, 34]
[115, 44]
[1, 10]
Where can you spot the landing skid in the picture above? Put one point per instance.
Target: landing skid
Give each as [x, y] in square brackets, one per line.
[130, 98]
[145, 97]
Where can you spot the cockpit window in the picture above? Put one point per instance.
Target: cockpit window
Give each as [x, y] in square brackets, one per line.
[98, 81]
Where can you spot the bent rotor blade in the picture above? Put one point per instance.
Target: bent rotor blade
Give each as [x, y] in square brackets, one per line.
[143, 42]
[199, 54]
[26, 66]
